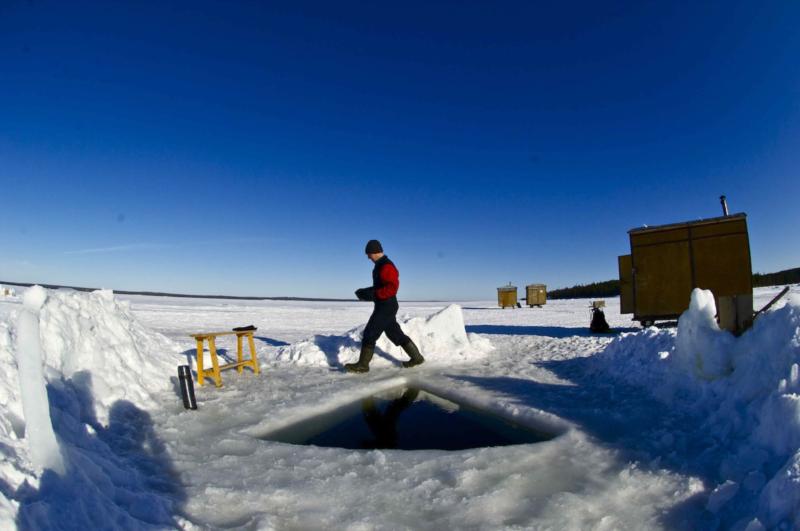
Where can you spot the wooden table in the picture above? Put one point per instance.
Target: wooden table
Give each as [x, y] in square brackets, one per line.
[214, 371]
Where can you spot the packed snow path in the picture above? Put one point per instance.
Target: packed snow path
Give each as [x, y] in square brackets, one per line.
[640, 447]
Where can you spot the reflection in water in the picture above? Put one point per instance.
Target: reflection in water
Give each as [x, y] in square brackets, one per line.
[407, 419]
[383, 425]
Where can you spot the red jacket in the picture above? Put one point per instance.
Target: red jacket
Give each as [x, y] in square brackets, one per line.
[385, 279]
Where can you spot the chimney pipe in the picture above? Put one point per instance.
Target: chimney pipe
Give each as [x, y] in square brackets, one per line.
[724, 203]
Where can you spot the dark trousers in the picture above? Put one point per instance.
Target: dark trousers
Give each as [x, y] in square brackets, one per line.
[384, 319]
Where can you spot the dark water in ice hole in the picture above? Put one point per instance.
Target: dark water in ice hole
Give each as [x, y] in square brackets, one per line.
[407, 419]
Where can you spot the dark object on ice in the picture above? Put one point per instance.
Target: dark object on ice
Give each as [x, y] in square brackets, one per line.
[362, 365]
[599, 324]
[244, 328]
[187, 387]
[519, 305]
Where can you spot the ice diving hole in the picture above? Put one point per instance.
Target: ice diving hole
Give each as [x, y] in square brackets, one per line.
[408, 418]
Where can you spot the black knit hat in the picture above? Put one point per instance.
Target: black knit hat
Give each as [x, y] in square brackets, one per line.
[373, 246]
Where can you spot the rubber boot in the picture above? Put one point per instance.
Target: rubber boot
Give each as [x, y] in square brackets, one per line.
[362, 365]
[413, 353]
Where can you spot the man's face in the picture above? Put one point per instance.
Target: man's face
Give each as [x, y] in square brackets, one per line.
[374, 256]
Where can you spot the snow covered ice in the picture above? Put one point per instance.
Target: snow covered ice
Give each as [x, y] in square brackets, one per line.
[661, 428]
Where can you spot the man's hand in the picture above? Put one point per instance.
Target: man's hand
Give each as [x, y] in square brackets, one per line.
[365, 294]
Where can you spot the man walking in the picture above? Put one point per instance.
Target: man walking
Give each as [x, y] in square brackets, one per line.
[383, 292]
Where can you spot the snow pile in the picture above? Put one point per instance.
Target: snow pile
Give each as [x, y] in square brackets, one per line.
[701, 348]
[80, 367]
[746, 390]
[95, 338]
[440, 337]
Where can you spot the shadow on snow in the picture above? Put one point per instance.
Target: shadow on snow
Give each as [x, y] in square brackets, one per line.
[271, 342]
[557, 332]
[628, 420]
[118, 476]
[332, 347]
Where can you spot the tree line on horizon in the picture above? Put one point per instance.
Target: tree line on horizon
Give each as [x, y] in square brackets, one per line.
[610, 288]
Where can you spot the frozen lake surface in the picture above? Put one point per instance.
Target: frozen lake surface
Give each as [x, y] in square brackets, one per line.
[646, 439]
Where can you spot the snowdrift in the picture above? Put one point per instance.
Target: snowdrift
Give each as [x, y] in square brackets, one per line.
[84, 360]
[441, 338]
[746, 389]
[96, 338]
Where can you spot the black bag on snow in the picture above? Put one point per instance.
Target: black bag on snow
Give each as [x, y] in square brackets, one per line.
[599, 324]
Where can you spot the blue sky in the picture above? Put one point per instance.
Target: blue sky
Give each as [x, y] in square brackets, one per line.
[253, 148]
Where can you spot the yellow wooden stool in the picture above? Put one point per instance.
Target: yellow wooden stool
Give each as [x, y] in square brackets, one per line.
[214, 371]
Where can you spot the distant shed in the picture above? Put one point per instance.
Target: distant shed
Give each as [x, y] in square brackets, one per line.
[507, 296]
[536, 294]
